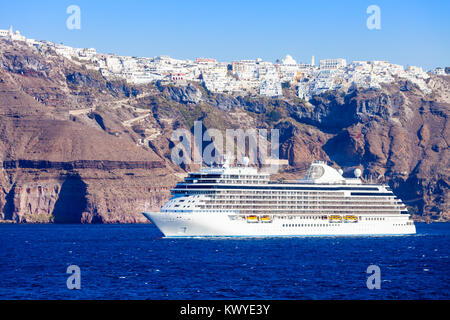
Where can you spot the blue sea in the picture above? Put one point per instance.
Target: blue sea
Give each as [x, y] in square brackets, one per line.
[135, 262]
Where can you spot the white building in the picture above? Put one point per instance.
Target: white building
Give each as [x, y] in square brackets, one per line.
[415, 70]
[15, 36]
[87, 53]
[439, 71]
[288, 60]
[271, 88]
[245, 69]
[65, 51]
[332, 63]
[288, 69]
[4, 33]
[303, 91]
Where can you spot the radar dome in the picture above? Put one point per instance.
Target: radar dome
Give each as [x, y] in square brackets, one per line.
[357, 173]
[340, 171]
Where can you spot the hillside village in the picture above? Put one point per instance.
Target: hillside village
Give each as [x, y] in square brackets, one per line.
[241, 77]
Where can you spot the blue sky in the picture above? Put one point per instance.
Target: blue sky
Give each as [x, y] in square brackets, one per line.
[412, 32]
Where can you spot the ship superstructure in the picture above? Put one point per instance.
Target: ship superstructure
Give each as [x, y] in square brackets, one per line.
[241, 201]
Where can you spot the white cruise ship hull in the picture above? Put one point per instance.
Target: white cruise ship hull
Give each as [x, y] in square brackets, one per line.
[222, 224]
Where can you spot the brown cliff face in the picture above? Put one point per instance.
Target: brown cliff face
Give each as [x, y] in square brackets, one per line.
[76, 148]
[69, 169]
[396, 145]
[84, 195]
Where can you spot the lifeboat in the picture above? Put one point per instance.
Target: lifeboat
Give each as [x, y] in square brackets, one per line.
[266, 219]
[335, 218]
[252, 219]
[350, 219]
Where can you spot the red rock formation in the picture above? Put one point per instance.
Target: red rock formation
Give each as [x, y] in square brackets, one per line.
[78, 148]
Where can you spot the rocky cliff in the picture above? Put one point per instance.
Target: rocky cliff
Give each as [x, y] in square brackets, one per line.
[75, 147]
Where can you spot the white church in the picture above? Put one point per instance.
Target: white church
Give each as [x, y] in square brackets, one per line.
[16, 36]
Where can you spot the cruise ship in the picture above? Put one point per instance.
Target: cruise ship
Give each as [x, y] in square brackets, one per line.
[240, 201]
